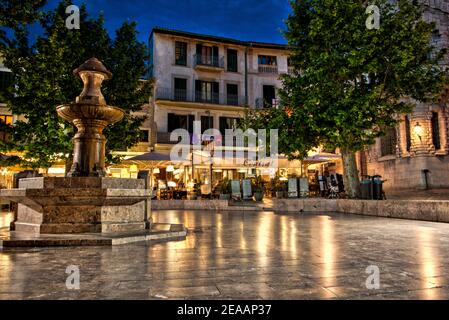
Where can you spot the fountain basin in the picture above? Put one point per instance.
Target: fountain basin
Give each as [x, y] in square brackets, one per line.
[75, 111]
[53, 205]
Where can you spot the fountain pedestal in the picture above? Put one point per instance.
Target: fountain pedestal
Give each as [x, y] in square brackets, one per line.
[52, 205]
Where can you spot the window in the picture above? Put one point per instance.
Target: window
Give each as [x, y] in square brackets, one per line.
[408, 138]
[388, 143]
[435, 42]
[228, 123]
[145, 136]
[232, 60]
[180, 93]
[363, 163]
[180, 53]
[232, 94]
[207, 55]
[176, 121]
[268, 60]
[5, 119]
[436, 131]
[269, 96]
[290, 68]
[206, 123]
[206, 91]
[6, 79]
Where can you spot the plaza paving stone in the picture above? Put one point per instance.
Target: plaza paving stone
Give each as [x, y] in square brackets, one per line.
[251, 255]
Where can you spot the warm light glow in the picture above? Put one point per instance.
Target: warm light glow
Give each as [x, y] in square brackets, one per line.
[283, 179]
[418, 129]
[5, 220]
[156, 171]
[171, 184]
[7, 271]
[56, 170]
[429, 261]
[133, 168]
[170, 169]
[326, 250]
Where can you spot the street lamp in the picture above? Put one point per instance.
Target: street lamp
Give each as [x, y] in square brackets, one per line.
[418, 129]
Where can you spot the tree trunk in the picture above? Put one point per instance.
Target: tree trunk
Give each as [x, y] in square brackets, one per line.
[350, 174]
[68, 165]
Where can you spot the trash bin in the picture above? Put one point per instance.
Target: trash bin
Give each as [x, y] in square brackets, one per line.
[366, 187]
[377, 188]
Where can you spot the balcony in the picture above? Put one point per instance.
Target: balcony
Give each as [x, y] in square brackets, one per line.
[262, 103]
[208, 63]
[267, 69]
[164, 138]
[184, 95]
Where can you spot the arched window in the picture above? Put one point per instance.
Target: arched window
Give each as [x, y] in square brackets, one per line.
[408, 138]
[388, 142]
[436, 131]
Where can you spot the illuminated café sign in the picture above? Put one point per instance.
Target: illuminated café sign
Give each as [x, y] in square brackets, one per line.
[257, 163]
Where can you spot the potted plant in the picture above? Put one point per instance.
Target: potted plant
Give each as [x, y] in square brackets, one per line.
[258, 185]
[225, 189]
[197, 190]
[191, 193]
[278, 187]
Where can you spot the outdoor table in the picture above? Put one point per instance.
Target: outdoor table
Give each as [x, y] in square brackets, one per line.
[179, 194]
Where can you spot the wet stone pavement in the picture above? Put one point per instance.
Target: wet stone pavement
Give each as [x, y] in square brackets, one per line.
[256, 255]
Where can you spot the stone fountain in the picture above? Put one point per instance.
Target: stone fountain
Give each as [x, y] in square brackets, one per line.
[85, 201]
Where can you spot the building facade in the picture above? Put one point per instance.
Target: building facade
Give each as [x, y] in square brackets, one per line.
[415, 154]
[211, 80]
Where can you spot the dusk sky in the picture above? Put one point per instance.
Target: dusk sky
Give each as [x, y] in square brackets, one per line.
[256, 20]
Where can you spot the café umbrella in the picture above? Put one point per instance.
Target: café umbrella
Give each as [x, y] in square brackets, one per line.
[152, 161]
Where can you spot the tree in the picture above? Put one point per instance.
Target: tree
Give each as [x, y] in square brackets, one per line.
[349, 82]
[43, 79]
[16, 13]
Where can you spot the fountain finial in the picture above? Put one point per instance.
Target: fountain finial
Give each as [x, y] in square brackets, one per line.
[92, 72]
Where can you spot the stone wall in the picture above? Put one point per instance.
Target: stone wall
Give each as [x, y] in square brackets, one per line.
[435, 211]
[189, 205]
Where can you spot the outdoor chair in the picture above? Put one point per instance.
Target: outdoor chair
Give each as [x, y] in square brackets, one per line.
[235, 187]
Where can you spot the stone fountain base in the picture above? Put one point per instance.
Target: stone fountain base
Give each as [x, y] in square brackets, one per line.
[53, 205]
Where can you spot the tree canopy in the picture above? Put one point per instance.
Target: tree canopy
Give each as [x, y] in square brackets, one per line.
[350, 82]
[43, 79]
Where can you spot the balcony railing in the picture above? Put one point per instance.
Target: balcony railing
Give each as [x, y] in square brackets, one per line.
[164, 138]
[209, 61]
[207, 97]
[262, 103]
[199, 96]
[268, 69]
